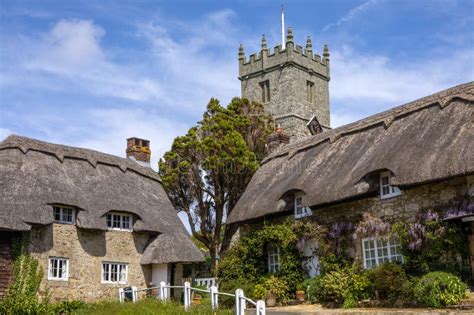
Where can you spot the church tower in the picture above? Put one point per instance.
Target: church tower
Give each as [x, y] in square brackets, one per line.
[291, 83]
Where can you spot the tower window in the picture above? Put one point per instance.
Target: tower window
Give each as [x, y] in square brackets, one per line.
[265, 86]
[310, 91]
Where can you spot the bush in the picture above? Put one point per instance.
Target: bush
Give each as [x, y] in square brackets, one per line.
[339, 287]
[386, 282]
[313, 287]
[21, 296]
[440, 289]
[244, 265]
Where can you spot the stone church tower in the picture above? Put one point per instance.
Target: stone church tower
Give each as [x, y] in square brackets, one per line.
[291, 83]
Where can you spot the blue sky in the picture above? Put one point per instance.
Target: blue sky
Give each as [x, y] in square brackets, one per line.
[92, 73]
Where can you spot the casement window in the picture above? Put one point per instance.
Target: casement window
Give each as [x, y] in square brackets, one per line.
[273, 253]
[65, 215]
[300, 211]
[378, 251]
[114, 272]
[58, 269]
[265, 87]
[386, 189]
[119, 221]
[310, 91]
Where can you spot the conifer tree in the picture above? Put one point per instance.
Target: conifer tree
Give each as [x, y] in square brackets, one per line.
[207, 170]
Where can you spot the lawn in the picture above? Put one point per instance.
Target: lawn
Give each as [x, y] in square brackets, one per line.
[147, 306]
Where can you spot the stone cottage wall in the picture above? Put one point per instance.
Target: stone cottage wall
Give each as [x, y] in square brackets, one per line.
[405, 207]
[86, 250]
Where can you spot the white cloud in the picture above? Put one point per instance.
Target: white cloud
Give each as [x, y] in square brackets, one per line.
[71, 53]
[108, 129]
[353, 13]
[366, 84]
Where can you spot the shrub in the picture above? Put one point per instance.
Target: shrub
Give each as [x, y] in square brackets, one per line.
[340, 287]
[440, 289]
[21, 296]
[276, 286]
[245, 263]
[386, 282]
[312, 287]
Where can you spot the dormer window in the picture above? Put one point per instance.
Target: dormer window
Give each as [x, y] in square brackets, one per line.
[64, 215]
[386, 189]
[119, 221]
[300, 211]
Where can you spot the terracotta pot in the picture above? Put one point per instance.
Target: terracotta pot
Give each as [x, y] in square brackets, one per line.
[300, 296]
[197, 299]
[270, 300]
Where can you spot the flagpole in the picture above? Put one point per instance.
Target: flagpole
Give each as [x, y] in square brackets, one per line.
[282, 27]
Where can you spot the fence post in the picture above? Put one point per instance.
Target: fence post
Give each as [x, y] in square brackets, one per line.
[239, 306]
[187, 295]
[162, 291]
[134, 294]
[121, 295]
[260, 307]
[214, 298]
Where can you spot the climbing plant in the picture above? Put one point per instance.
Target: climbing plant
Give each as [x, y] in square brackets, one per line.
[21, 296]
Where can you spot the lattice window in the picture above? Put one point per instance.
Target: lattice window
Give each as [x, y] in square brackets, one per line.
[379, 251]
[58, 269]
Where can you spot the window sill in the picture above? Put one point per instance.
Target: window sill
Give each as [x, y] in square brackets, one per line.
[119, 230]
[385, 197]
[58, 280]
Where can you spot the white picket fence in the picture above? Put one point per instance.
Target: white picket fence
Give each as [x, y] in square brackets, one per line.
[206, 282]
[240, 299]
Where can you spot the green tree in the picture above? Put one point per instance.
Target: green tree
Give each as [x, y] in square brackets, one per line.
[207, 170]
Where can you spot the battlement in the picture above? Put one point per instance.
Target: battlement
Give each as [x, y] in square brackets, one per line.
[291, 55]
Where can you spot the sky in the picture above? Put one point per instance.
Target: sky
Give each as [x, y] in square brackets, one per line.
[93, 73]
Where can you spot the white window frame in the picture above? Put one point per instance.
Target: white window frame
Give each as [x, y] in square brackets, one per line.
[273, 256]
[300, 211]
[62, 214]
[393, 191]
[118, 265]
[392, 247]
[65, 273]
[121, 221]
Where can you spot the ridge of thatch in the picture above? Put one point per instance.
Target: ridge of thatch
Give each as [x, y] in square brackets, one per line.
[426, 140]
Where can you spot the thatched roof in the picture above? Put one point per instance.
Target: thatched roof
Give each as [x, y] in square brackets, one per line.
[35, 175]
[426, 140]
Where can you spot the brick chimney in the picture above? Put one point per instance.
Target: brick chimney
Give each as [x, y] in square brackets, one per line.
[138, 150]
[276, 140]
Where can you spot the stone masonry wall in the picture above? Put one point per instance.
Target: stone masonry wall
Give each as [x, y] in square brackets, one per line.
[86, 250]
[405, 207]
[288, 72]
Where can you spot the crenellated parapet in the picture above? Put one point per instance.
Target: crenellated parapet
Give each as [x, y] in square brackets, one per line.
[297, 56]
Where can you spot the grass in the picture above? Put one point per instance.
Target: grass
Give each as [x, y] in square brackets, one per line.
[146, 306]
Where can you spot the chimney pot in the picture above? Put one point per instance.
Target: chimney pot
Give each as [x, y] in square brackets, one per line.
[138, 150]
[276, 140]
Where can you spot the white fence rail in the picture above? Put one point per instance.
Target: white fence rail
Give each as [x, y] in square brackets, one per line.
[240, 299]
[206, 282]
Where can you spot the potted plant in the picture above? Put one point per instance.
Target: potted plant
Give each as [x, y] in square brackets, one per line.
[197, 299]
[300, 293]
[270, 299]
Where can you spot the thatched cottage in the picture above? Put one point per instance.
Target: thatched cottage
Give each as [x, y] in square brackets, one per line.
[96, 222]
[392, 165]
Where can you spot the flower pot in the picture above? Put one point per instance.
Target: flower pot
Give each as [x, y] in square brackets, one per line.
[270, 300]
[300, 296]
[197, 299]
